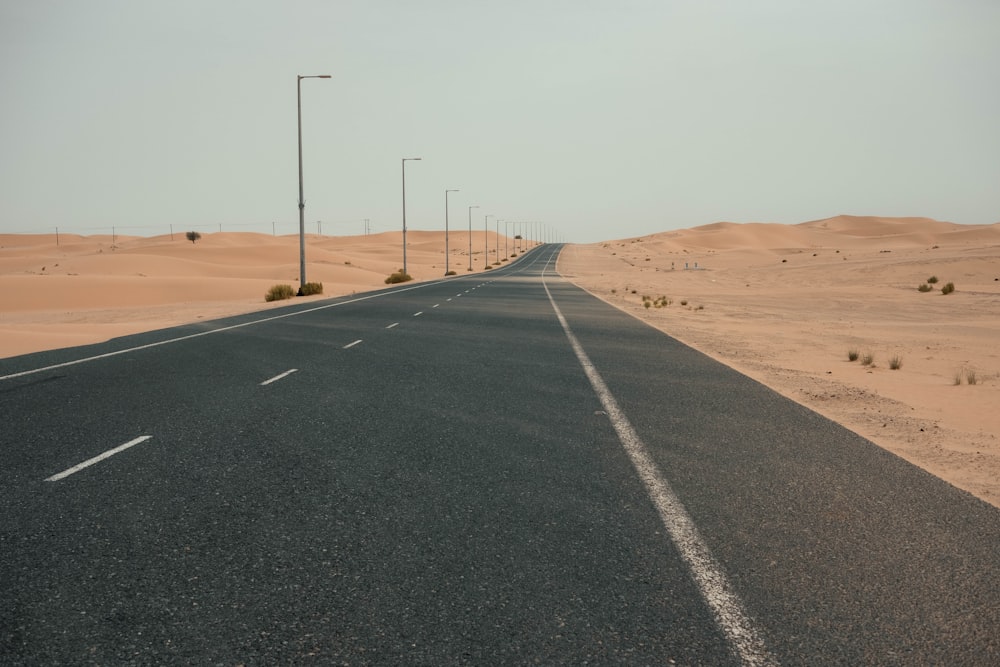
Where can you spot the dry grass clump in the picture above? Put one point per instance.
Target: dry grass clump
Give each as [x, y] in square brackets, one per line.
[924, 288]
[311, 288]
[932, 279]
[968, 374]
[895, 362]
[853, 354]
[868, 359]
[948, 288]
[279, 293]
[398, 277]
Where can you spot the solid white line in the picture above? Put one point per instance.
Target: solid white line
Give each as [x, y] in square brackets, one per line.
[394, 324]
[350, 345]
[97, 459]
[715, 588]
[278, 377]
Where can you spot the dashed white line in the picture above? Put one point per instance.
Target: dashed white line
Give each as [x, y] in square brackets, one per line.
[97, 459]
[435, 305]
[394, 324]
[708, 574]
[350, 345]
[418, 314]
[279, 377]
[449, 299]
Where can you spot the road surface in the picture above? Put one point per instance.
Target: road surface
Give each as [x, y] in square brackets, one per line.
[488, 469]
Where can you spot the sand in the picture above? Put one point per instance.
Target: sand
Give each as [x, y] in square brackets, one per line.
[782, 304]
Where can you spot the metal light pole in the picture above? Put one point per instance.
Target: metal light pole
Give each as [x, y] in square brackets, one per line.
[506, 235]
[302, 201]
[404, 209]
[470, 236]
[486, 240]
[446, 229]
[498, 238]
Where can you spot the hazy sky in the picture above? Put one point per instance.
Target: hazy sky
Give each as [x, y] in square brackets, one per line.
[601, 118]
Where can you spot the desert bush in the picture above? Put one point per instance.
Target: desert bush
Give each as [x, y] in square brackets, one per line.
[449, 273]
[957, 378]
[970, 376]
[924, 288]
[896, 362]
[868, 359]
[192, 236]
[684, 302]
[853, 354]
[279, 293]
[932, 279]
[311, 288]
[948, 288]
[398, 277]
[647, 304]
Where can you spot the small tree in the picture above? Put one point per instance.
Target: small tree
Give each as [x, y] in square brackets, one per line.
[193, 236]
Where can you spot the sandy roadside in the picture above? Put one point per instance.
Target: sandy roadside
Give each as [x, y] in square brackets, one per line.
[791, 327]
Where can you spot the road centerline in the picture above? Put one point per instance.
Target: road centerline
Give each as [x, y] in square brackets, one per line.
[352, 344]
[280, 376]
[97, 459]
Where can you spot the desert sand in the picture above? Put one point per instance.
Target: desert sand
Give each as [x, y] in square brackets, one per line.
[783, 304]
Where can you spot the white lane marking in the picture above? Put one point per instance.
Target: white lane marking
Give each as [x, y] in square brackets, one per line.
[74, 362]
[350, 345]
[97, 459]
[715, 588]
[435, 305]
[418, 314]
[394, 324]
[449, 299]
[279, 377]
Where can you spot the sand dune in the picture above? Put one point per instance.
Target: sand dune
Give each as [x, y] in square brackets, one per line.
[781, 303]
[785, 303]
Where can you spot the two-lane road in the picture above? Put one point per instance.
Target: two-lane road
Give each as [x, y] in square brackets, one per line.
[489, 469]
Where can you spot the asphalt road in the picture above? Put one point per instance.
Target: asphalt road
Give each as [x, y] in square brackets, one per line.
[488, 469]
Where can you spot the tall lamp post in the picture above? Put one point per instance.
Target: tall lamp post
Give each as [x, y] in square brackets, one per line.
[486, 239]
[470, 236]
[446, 229]
[302, 201]
[405, 159]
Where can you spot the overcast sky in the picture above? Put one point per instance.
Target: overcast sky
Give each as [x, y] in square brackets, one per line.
[601, 118]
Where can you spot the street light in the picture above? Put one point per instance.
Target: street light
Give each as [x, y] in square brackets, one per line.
[470, 236]
[486, 240]
[446, 229]
[302, 201]
[404, 210]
